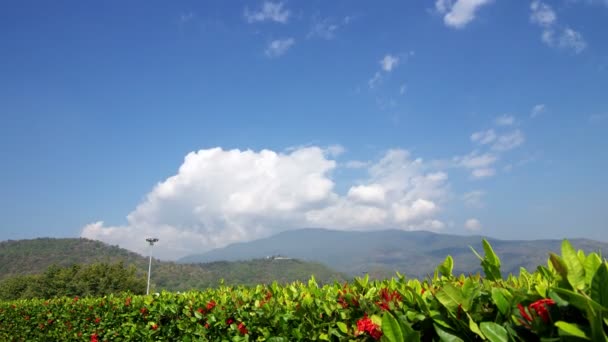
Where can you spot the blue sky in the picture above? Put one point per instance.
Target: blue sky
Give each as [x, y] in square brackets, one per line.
[463, 117]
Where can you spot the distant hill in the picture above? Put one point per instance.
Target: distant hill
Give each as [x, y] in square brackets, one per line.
[413, 253]
[21, 257]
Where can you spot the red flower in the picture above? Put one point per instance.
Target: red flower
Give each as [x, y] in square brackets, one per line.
[523, 313]
[154, 326]
[365, 324]
[211, 305]
[143, 311]
[229, 321]
[242, 329]
[76, 298]
[94, 337]
[128, 301]
[540, 307]
[388, 297]
[207, 325]
[422, 291]
[200, 310]
[97, 320]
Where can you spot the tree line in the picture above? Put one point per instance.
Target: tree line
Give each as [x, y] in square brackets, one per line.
[98, 279]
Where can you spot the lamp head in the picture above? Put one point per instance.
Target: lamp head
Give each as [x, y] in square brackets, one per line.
[151, 241]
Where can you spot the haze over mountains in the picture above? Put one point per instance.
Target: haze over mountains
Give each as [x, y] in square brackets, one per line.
[413, 253]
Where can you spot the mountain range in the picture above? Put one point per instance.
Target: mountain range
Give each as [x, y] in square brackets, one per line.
[381, 253]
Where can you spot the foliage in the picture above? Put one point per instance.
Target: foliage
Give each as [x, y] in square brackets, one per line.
[98, 279]
[563, 301]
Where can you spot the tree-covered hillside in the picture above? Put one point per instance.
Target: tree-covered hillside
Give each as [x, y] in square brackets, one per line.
[23, 257]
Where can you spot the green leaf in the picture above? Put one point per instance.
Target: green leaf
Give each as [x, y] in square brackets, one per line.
[474, 327]
[446, 336]
[570, 329]
[559, 265]
[501, 301]
[581, 302]
[490, 255]
[343, 328]
[450, 297]
[446, 267]
[599, 286]
[591, 265]
[494, 332]
[391, 329]
[576, 271]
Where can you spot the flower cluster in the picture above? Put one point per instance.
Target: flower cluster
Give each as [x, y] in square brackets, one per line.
[365, 324]
[387, 298]
[539, 307]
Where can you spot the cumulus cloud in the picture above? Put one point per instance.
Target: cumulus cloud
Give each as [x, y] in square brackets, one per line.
[552, 35]
[459, 13]
[472, 224]
[218, 197]
[389, 62]
[277, 48]
[537, 110]
[572, 40]
[270, 11]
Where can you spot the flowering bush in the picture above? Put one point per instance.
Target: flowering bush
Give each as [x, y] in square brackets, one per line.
[566, 300]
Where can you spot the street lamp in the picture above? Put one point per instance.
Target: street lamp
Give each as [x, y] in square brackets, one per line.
[151, 241]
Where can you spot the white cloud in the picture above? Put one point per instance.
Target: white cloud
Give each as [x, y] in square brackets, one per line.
[476, 161]
[373, 193]
[474, 199]
[484, 137]
[480, 165]
[269, 11]
[221, 196]
[327, 28]
[402, 89]
[537, 110]
[389, 62]
[573, 40]
[483, 173]
[356, 164]
[543, 15]
[459, 13]
[505, 120]
[375, 80]
[334, 150]
[277, 48]
[509, 141]
[472, 224]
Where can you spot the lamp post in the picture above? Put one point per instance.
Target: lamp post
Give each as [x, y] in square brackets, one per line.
[151, 241]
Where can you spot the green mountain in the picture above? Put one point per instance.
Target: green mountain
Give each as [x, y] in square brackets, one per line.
[381, 253]
[23, 257]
